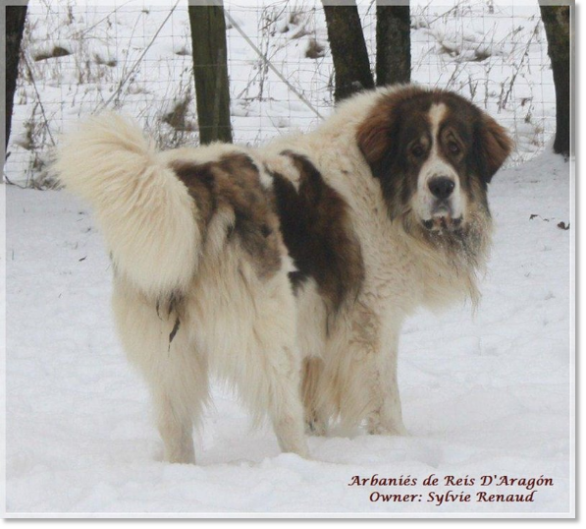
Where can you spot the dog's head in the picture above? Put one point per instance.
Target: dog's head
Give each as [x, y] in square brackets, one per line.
[434, 154]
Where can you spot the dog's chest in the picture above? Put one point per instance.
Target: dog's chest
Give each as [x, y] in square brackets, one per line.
[392, 274]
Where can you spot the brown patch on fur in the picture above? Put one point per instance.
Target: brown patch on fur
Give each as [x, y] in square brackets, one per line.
[199, 180]
[496, 144]
[388, 138]
[379, 128]
[233, 181]
[317, 231]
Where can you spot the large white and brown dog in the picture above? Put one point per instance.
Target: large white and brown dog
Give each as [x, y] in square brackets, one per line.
[290, 269]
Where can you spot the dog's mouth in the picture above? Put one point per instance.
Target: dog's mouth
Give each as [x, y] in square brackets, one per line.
[443, 220]
[444, 223]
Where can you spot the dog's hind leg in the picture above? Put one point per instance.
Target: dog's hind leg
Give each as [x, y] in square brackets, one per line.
[178, 404]
[179, 387]
[157, 344]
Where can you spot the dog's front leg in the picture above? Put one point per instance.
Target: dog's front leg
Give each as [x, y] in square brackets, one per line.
[313, 398]
[387, 417]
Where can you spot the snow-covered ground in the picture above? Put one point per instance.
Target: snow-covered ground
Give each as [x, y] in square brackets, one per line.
[483, 395]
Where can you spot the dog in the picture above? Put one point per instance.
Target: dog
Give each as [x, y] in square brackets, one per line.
[396, 211]
[289, 269]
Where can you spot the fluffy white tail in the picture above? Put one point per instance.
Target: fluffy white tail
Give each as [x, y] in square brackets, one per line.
[145, 212]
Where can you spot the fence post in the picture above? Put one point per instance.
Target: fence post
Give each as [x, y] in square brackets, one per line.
[351, 64]
[15, 18]
[393, 43]
[556, 20]
[210, 69]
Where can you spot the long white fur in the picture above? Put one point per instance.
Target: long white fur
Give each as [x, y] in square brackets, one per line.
[232, 324]
[144, 211]
[234, 327]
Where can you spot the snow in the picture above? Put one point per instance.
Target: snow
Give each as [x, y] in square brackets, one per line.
[483, 394]
[489, 393]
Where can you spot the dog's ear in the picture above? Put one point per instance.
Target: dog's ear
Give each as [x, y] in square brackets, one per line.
[493, 145]
[373, 139]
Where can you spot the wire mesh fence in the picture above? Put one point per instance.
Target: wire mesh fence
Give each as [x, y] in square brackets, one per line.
[135, 57]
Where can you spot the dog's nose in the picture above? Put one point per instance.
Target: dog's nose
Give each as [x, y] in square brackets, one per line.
[441, 187]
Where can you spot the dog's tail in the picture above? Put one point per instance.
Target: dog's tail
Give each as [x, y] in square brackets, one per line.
[145, 212]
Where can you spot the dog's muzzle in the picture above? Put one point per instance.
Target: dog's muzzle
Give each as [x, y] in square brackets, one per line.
[442, 209]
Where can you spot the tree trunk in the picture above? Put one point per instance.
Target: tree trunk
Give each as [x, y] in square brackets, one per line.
[351, 65]
[556, 20]
[210, 68]
[393, 44]
[15, 17]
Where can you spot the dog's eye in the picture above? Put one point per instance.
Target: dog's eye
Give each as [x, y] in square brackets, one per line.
[265, 230]
[453, 147]
[417, 150]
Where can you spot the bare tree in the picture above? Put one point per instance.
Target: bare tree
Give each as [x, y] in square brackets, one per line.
[556, 20]
[210, 68]
[351, 64]
[15, 18]
[393, 43]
